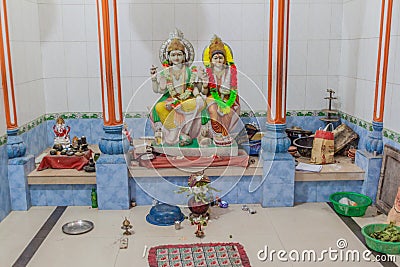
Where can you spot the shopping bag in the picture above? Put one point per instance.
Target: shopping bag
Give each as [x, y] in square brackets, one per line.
[323, 148]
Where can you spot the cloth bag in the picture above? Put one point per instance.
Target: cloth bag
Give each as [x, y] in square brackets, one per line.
[323, 148]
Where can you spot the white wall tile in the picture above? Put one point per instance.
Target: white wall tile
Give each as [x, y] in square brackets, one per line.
[298, 29]
[230, 21]
[93, 59]
[78, 94]
[318, 57]
[124, 33]
[207, 16]
[394, 109]
[349, 58]
[187, 26]
[296, 92]
[18, 61]
[335, 50]
[297, 57]
[142, 58]
[141, 22]
[143, 97]
[75, 59]
[50, 21]
[73, 22]
[352, 24]
[163, 21]
[367, 58]
[53, 59]
[371, 19]
[15, 24]
[336, 20]
[394, 60]
[315, 92]
[33, 61]
[251, 92]
[254, 26]
[95, 104]
[55, 91]
[347, 94]
[254, 60]
[91, 23]
[125, 58]
[126, 92]
[319, 20]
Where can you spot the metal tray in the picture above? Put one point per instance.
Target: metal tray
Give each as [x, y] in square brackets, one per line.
[77, 227]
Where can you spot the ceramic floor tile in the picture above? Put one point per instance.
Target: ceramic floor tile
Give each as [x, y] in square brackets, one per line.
[305, 226]
[17, 230]
[76, 251]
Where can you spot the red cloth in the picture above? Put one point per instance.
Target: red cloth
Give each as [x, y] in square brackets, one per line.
[241, 160]
[65, 162]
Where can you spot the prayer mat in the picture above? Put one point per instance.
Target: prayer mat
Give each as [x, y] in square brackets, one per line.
[195, 255]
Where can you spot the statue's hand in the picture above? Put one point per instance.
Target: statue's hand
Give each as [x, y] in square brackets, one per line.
[168, 106]
[224, 90]
[204, 77]
[153, 73]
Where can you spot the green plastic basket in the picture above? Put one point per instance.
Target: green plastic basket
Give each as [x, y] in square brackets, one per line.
[377, 245]
[353, 211]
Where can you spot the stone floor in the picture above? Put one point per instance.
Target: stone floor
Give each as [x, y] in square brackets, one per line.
[308, 226]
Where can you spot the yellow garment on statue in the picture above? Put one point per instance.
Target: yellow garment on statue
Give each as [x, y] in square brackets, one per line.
[167, 117]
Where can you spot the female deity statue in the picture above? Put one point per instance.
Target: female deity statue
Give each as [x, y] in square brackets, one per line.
[61, 133]
[177, 112]
[223, 100]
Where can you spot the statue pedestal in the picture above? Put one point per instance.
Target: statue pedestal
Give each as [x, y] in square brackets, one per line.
[196, 151]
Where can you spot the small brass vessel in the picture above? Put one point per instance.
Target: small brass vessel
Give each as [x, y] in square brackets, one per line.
[126, 225]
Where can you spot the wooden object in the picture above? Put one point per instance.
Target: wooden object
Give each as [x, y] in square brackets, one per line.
[389, 180]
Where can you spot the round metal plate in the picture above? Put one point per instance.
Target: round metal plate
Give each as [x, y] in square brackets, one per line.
[77, 227]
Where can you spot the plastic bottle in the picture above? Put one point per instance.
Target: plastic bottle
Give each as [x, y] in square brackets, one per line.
[94, 198]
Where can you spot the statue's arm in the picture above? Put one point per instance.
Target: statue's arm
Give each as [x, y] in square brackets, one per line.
[159, 86]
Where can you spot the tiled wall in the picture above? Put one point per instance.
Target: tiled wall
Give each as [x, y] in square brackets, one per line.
[26, 54]
[359, 53]
[68, 34]
[5, 202]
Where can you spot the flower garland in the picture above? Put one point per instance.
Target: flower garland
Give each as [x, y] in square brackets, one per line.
[188, 92]
[224, 106]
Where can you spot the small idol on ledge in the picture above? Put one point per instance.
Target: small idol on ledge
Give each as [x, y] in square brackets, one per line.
[61, 133]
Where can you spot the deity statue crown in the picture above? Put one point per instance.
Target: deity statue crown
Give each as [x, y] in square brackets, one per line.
[217, 46]
[175, 44]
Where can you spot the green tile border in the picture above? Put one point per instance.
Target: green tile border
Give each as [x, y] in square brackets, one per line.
[245, 114]
[391, 135]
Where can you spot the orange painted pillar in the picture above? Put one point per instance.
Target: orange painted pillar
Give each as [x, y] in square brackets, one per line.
[374, 141]
[113, 142]
[278, 165]
[277, 61]
[15, 145]
[276, 140]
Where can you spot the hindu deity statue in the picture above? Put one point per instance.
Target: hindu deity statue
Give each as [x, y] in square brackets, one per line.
[178, 112]
[221, 90]
[61, 133]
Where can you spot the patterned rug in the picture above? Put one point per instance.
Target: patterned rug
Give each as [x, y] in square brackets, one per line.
[194, 255]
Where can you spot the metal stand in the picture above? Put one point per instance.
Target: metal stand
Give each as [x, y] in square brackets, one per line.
[332, 114]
